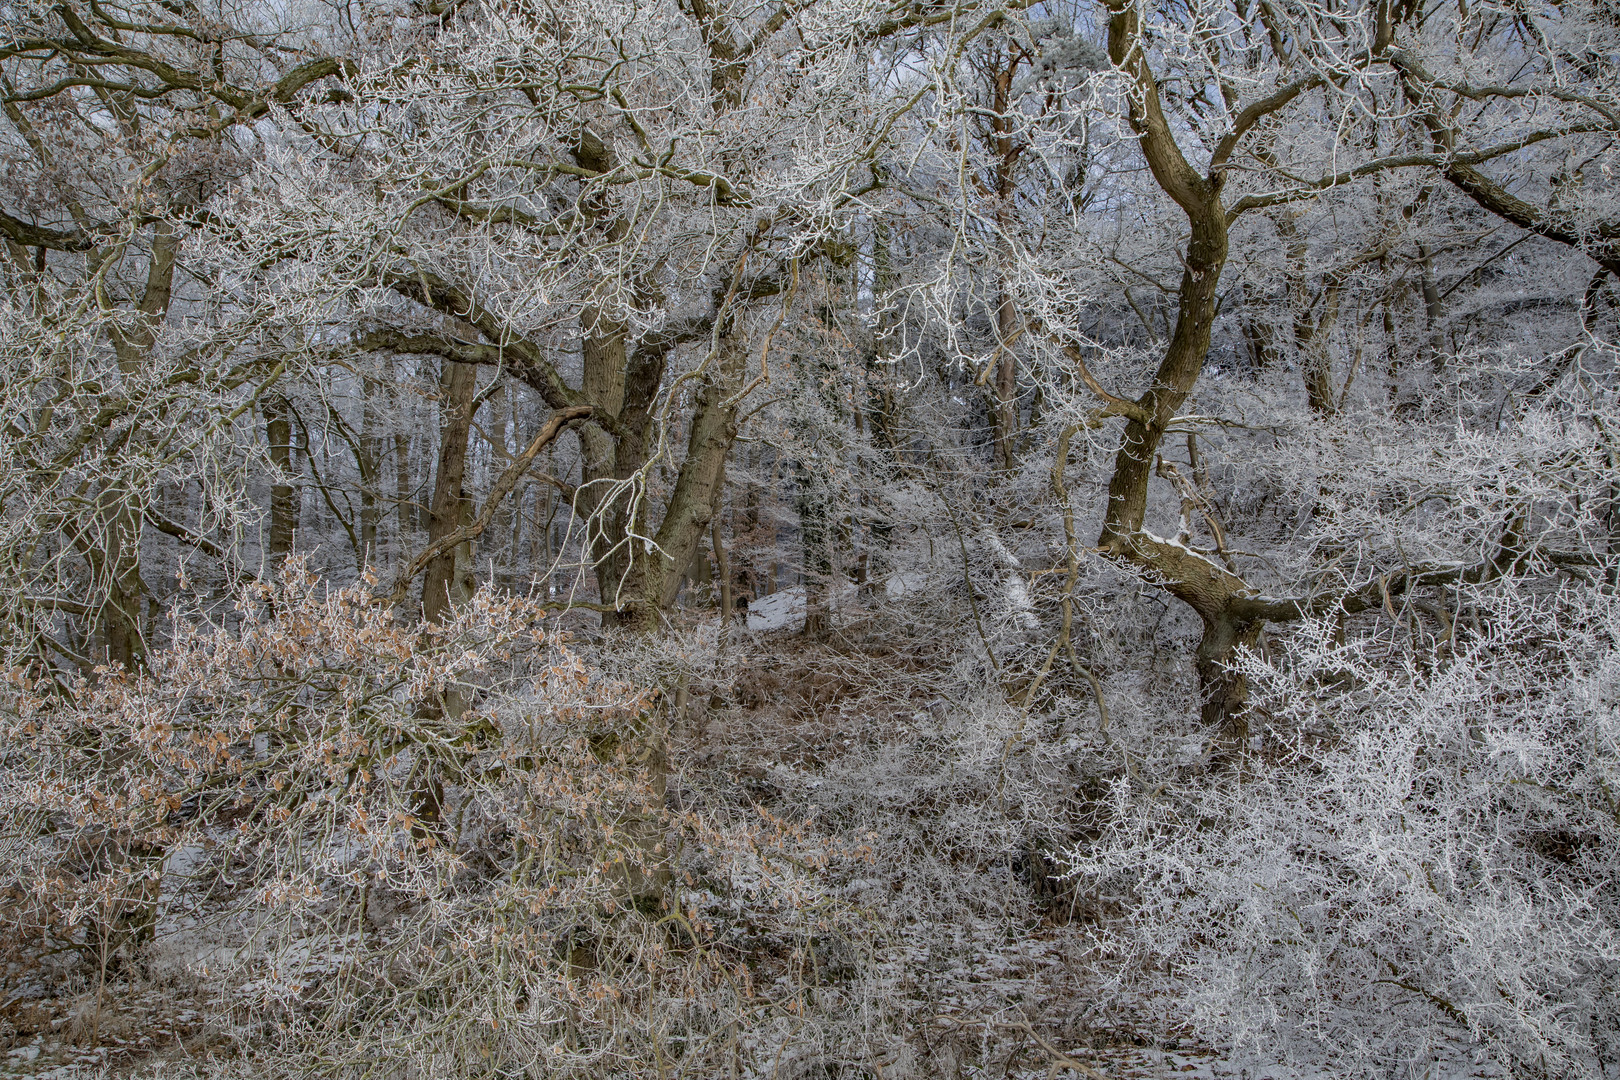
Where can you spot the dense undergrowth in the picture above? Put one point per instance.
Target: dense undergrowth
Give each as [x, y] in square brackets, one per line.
[846, 859]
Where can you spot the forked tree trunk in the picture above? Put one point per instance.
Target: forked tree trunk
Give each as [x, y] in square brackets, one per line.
[1207, 587]
[645, 579]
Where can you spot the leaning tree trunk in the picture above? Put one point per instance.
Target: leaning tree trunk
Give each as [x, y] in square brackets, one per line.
[1211, 590]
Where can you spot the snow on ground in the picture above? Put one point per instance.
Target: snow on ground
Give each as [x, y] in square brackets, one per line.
[784, 610]
[906, 582]
[779, 611]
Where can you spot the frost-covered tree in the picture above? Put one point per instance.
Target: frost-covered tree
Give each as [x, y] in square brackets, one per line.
[1185, 428]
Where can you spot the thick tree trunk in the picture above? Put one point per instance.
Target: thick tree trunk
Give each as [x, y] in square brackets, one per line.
[643, 582]
[447, 580]
[620, 388]
[654, 575]
[1207, 587]
[114, 557]
[448, 577]
[1224, 692]
[114, 553]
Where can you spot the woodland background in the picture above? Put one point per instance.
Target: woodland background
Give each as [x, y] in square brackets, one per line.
[810, 538]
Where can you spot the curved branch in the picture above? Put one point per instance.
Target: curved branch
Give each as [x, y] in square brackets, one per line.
[498, 491]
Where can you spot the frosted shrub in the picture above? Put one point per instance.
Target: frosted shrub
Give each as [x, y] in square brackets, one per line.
[431, 848]
[1418, 845]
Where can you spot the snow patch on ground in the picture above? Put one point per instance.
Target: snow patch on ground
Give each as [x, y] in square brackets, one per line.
[905, 583]
[779, 611]
[784, 610]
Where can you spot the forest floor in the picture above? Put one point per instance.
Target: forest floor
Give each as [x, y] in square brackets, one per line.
[791, 710]
[162, 1049]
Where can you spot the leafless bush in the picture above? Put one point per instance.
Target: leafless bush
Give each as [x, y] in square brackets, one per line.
[425, 850]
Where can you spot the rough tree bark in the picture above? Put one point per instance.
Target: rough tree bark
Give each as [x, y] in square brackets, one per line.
[448, 579]
[1208, 588]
